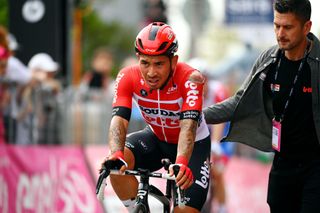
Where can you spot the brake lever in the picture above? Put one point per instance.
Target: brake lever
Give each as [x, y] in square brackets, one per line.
[101, 183]
[180, 192]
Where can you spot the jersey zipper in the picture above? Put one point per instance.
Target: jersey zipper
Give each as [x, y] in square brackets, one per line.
[159, 114]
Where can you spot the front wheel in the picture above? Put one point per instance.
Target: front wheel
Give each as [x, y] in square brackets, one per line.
[140, 208]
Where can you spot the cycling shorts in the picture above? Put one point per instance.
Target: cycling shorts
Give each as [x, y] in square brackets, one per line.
[148, 151]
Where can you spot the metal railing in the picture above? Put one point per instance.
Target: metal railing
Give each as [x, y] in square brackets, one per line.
[73, 118]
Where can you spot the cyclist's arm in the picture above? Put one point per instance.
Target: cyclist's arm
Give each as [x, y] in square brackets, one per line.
[189, 118]
[117, 133]
[121, 111]
[186, 137]
[190, 113]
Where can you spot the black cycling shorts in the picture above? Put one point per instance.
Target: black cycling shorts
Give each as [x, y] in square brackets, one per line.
[148, 151]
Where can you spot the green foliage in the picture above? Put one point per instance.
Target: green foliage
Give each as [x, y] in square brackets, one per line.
[96, 33]
[4, 13]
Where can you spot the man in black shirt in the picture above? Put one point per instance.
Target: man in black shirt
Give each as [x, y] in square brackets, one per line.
[278, 109]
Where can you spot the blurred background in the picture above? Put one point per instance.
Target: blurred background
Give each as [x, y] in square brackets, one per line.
[56, 89]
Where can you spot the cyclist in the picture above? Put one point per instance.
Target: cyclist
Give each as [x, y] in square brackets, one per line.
[169, 96]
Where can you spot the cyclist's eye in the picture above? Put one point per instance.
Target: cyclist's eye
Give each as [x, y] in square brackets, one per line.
[144, 63]
[159, 64]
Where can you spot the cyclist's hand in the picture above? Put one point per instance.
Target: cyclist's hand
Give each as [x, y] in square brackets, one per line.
[184, 178]
[115, 161]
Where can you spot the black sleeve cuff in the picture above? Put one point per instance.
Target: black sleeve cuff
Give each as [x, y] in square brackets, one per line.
[123, 112]
[190, 114]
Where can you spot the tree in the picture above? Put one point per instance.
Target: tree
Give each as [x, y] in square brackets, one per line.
[114, 36]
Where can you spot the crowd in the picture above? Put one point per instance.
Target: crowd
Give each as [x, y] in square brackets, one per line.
[32, 97]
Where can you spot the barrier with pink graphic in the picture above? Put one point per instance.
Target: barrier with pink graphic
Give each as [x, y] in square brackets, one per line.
[45, 179]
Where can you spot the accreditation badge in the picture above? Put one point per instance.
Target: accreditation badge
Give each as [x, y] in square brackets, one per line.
[276, 135]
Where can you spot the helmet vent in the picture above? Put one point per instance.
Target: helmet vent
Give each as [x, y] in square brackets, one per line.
[162, 46]
[140, 43]
[153, 32]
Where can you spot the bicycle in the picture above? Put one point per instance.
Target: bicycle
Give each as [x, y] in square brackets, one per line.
[144, 188]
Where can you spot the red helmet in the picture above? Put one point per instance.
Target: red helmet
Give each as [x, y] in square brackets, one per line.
[156, 39]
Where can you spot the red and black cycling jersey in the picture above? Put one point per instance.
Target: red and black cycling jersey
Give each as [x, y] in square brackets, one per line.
[163, 108]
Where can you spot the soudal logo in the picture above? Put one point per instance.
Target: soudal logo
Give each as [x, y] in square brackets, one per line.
[192, 94]
[156, 111]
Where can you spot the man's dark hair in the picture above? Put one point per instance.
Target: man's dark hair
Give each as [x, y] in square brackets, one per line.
[301, 8]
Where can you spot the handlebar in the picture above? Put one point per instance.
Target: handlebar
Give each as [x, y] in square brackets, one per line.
[108, 168]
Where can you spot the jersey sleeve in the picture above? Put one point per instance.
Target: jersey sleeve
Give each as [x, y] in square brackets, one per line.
[123, 90]
[192, 98]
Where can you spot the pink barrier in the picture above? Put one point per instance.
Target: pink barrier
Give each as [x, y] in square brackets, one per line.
[246, 183]
[45, 179]
[95, 155]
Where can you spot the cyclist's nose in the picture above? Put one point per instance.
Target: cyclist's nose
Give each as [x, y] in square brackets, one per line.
[152, 71]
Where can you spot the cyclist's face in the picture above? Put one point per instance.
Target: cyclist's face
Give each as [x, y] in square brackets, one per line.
[156, 69]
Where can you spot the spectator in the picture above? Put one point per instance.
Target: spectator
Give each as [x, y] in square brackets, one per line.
[37, 117]
[4, 94]
[98, 78]
[17, 75]
[278, 109]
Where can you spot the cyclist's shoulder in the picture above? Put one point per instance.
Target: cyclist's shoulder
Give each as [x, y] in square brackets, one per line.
[184, 73]
[184, 67]
[128, 74]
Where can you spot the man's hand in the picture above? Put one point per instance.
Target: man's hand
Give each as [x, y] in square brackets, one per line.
[216, 151]
[115, 161]
[184, 178]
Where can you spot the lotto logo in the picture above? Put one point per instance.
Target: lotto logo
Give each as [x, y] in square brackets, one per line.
[205, 174]
[192, 94]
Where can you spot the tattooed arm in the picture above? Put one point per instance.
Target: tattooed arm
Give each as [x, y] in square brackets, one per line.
[186, 137]
[117, 133]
